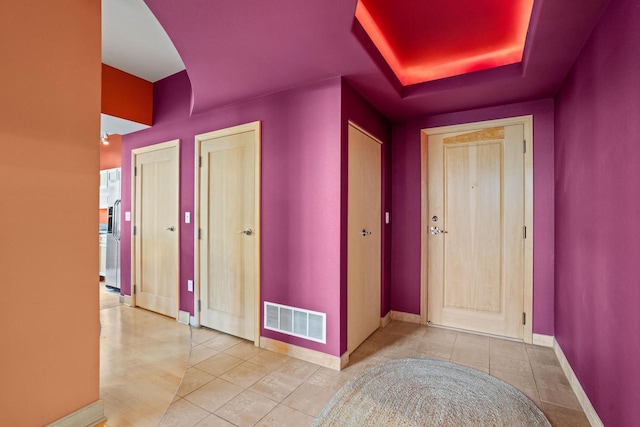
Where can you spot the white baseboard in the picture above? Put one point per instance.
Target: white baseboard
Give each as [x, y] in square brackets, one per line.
[90, 415]
[543, 340]
[183, 317]
[306, 354]
[194, 322]
[384, 321]
[582, 397]
[126, 300]
[405, 317]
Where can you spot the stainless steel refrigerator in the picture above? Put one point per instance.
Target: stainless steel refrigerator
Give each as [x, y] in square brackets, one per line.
[112, 278]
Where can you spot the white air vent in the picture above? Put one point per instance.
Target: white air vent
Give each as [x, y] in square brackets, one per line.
[298, 322]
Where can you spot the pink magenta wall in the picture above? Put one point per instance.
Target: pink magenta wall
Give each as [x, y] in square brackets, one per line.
[360, 112]
[597, 216]
[405, 213]
[301, 162]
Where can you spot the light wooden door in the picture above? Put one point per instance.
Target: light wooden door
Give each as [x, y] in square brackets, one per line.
[156, 228]
[476, 225]
[229, 232]
[363, 238]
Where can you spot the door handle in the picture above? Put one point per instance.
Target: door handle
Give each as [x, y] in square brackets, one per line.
[436, 230]
[246, 231]
[172, 228]
[365, 233]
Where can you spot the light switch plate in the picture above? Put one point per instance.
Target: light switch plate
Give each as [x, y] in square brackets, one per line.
[127, 216]
[187, 217]
[190, 285]
[386, 218]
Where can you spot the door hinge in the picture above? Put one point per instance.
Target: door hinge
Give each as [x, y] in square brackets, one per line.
[199, 306]
[524, 146]
[199, 233]
[134, 230]
[135, 171]
[524, 232]
[524, 318]
[134, 289]
[199, 161]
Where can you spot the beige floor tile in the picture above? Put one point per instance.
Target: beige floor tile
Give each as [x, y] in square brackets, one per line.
[193, 379]
[509, 365]
[524, 383]
[201, 353]
[246, 409]
[276, 386]
[200, 335]
[467, 340]
[442, 333]
[309, 398]
[510, 349]
[548, 375]
[329, 378]
[245, 374]
[297, 368]
[358, 364]
[475, 356]
[379, 336]
[405, 328]
[108, 298]
[269, 359]
[441, 339]
[214, 421]
[219, 364]
[559, 416]
[370, 347]
[542, 355]
[243, 350]
[398, 352]
[435, 350]
[283, 416]
[213, 395]
[402, 341]
[222, 342]
[183, 413]
[560, 395]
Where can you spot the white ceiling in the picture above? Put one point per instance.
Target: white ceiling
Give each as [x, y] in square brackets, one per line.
[134, 41]
[110, 124]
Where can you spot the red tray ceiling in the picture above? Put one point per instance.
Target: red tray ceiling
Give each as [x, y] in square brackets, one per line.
[424, 40]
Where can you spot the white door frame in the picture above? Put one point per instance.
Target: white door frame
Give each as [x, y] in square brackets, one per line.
[527, 122]
[248, 127]
[136, 151]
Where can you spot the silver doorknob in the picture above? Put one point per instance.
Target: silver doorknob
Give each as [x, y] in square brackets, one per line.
[246, 231]
[172, 228]
[365, 232]
[436, 230]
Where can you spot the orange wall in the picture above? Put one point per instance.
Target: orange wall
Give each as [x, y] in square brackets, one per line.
[126, 96]
[49, 154]
[111, 155]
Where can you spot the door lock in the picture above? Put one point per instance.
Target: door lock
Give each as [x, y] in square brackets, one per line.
[365, 233]
[246, 231]
[172, 228]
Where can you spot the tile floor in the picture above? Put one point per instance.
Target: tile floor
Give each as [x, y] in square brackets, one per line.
[143, 357]
[230, 382]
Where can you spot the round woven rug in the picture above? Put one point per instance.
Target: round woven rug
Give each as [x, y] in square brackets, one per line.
[426, 392]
